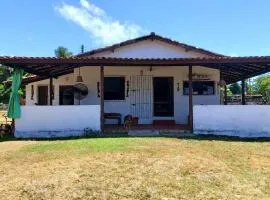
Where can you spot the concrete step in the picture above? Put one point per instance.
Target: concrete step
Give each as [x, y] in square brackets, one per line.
[163, 122]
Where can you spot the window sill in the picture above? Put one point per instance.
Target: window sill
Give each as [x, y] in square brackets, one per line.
[115, 100]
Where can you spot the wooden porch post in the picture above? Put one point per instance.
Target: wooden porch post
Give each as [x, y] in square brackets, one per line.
[190, 98]
[102, 98]
[243, 92]
[225, 95]
[51, 91]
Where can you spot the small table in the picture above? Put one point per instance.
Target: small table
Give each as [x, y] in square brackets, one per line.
[116, 116]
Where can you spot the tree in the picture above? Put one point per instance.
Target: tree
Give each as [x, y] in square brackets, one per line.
[229, 92]
[261, 84]
[62, 52]
[5, 74]
[235, 88]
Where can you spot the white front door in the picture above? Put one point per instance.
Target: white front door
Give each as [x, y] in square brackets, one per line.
[141, 98]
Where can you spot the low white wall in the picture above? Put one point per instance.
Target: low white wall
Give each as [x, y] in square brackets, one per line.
[57, 121]
[232, 120]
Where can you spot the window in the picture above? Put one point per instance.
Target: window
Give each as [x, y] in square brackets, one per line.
[114, 88]
[200, 87]
[66, 95]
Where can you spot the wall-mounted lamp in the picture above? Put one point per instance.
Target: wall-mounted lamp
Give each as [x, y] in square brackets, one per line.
[52, 94]
[127, 89]
[98, 90]
[32, 92]
[79, 78]
[178, 87]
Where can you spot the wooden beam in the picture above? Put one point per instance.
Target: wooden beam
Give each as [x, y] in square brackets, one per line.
[257, 66]
[256, 74]
[252, 67]
[28, 69]
[235, 68]
[243, 92]
[62, 69]
[39, 67]
[190, 98]
[229, 73]
[225, 95]
[102, 99]
[51, 91]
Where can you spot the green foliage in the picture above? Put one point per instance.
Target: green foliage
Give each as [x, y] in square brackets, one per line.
[5, 74]
[261, 85]
[62, 52]
[229, 92]
[5, 89]
[87, 145]
[267, 92]
[235, 88]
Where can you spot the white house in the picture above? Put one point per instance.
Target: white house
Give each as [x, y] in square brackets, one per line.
[148, 78]
[149, 93]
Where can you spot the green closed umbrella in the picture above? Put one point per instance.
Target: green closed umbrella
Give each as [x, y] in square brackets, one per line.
[14, 107]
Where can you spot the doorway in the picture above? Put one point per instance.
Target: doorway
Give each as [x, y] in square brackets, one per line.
[163, 97]
[42, 95]
[66, 95]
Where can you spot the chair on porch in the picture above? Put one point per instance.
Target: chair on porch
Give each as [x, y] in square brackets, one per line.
[116, 116]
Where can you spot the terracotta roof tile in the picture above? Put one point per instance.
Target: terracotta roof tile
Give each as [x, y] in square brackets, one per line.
[233, 68]
[152, 36]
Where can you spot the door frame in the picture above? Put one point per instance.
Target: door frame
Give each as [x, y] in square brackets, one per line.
[171, 98]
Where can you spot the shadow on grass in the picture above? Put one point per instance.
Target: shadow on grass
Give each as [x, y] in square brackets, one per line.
[224, 138]
[124, 134]
[106, 135]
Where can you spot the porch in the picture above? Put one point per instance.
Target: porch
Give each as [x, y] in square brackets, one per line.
[231, 70]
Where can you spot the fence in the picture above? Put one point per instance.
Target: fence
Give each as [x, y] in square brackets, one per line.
[250, 99]
[232, 120]
[57, 121]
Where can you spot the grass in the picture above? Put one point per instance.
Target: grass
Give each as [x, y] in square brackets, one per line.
[84, 145]
[135, 168]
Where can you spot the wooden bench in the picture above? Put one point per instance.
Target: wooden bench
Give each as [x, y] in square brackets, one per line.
[116, 116]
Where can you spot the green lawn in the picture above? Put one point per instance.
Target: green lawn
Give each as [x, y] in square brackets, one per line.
[134, 168]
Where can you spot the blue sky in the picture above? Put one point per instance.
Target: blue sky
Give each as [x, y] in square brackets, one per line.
[36, 28]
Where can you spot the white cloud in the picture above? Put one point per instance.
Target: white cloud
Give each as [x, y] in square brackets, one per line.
[92, 8]
[101, 27]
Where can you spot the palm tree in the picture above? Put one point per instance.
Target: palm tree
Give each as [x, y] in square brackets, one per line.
[62, 52]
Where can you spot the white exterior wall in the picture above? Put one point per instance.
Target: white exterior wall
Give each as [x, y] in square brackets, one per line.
[232, 120]
[91, 77]
[150, 49]
[56, 121]
[63, 80]
[145, 49]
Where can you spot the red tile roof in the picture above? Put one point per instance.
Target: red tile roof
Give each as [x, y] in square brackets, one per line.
[233, 68]
[152, 36]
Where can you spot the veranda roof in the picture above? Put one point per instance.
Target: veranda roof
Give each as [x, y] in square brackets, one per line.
[233, 69]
